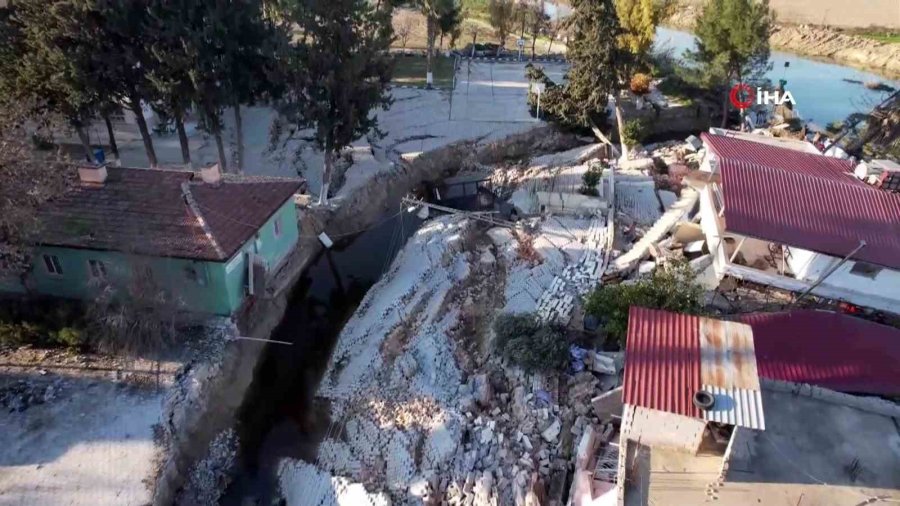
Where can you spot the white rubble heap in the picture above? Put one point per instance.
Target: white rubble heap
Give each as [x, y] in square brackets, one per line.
[412, 427]
[573, 254]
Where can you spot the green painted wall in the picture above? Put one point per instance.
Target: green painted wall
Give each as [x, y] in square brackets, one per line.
[209, 287]
[271, 248]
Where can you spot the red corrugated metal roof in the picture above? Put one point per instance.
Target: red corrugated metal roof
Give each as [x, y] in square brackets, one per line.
[805, 200]
[662, 354]
[827, 349]
[775, 157]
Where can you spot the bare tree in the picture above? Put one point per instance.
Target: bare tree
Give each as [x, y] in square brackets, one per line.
[29, 178]
[404, 22]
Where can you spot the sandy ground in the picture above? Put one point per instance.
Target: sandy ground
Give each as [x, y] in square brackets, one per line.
[488, 102]
[92, 444]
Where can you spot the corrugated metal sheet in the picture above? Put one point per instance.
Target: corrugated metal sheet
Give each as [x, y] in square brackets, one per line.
[736, 406]
[727, 356]
[670, 356]
[804, 200]
[829, 350]
[662, 361]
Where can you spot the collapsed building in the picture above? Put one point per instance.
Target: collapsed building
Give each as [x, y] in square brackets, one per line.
[709, 412]
[776, 214]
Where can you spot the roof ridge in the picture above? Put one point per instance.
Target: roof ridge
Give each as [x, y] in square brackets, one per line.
[195, 208]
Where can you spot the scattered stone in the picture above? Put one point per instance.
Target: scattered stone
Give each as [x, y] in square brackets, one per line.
[552, 432]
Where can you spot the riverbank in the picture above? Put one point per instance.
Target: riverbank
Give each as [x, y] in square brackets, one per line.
[817, 42]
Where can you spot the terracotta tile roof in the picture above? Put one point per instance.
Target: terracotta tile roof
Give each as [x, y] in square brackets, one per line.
[804, 200]
[670, 356]
[163, 213]
[827, 349]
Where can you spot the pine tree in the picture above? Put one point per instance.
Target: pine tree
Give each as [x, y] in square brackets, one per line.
[338, 72]
[37, 72]
[732, 43]
[598, 65]
[174, 60]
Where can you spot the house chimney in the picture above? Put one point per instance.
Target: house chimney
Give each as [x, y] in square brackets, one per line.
[92, 173]
[211, 174]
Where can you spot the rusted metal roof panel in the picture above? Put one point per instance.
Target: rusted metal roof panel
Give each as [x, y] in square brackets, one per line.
[727, 356]
[671, 356]
[827, 349]
[662, 361]
[736, 406]
[807, 201]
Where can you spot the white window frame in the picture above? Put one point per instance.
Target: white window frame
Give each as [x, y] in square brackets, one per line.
[97, 269]
[52, 264]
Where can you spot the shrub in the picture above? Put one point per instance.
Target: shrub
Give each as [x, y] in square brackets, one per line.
[589, 181]
[672, 287]
[635, 131]
[529, 343]
[41, 322]
[640, 84]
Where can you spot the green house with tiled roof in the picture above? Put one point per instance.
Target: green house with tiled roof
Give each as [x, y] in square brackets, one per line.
[207, 240]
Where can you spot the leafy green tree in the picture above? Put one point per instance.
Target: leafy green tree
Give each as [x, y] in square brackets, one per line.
[597, 72]
[639, 19]
[538, 22]
[672, 287]
[450, 23]
[171, 75]
[732, 43]
[502, 16]
[337, 74]
[438, 13]
[35, 71]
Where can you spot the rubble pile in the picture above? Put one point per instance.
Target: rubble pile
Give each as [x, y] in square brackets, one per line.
[523, 435]
[22, 394]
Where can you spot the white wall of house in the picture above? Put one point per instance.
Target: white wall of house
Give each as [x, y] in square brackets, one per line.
[865, 279]
[881, 291]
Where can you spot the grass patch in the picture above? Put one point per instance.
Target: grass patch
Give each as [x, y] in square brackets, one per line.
[410, 71]
[890, 38]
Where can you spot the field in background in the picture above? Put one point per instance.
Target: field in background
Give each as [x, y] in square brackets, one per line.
[414, 22]
[410, 71]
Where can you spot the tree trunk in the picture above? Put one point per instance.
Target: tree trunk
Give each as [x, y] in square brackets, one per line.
[430, 29]
[239, 134]
[474, 38]
[85, 141]
[441, 43]
[326, 177]
[549, 45]
[182, 137]
[725, 110]
[145, 132]
[604, 139]
[533, 43]
[220, 147]
[112, 136]
[620, 124]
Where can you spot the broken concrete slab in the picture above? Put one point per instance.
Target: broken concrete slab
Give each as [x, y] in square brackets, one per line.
[608, 404]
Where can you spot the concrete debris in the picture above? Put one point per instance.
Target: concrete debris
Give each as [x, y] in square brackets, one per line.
[22, 394]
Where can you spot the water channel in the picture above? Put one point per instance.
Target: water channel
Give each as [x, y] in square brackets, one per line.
[825, 92]
[279, 418]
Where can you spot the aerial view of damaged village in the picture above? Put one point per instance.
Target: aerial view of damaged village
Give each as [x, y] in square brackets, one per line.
[449, 252]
